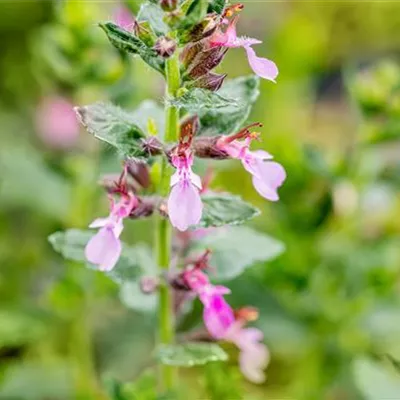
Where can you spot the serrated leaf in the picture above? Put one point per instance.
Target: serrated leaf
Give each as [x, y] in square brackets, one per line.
[154, 15]
[230, 117]
[375, 381]
[71, 245]
[126, 41]
[236, 248]
[216, 6]
[201, 100]
[225, 209]
[149, 110]
[191, 354]
[114, 126]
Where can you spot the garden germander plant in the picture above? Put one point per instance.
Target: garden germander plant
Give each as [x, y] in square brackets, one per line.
[204, 117]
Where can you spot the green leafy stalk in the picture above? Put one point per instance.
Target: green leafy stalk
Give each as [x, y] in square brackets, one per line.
[166, 318]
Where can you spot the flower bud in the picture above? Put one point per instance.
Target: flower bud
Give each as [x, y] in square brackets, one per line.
[139, 172]
[152, 146]
[206, 147]
[210, 81]
[144, 208]
[189, 128]
[144, 32]
[205, 61]
[149, 284]
[165, 47]
[110, 182]
[168, 5]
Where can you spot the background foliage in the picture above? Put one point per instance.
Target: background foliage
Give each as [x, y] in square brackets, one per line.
[329, 305]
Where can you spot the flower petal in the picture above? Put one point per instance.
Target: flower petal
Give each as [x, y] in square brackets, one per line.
[263, 67]
[184, 205]
[218, 316]
[103, 249]
[100, 222]
[269, 178]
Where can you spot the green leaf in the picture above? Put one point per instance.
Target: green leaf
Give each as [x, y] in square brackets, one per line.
[35, 381]
[71, 245]
[196, 11]
[191, 354]
[150, 112]
[225, 209]
[126, 41]
[216, 6]
[23, 170]
[375, 381]
[230, 117]
[197, 100]
[18, 327]
[130, 293]
[114, 126]
[154, 15]
[237, 248]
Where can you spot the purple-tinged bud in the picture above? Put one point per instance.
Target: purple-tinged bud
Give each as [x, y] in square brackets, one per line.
[111, 183]
[165, 47]
[207, 147]
[168, 5]
[144, 32]
[205, 61]
[152, 146]
[145, 207]
[149, 284]
[139, 171]
[210, 81]
[189, 128]
[190, 51]
[200, 31]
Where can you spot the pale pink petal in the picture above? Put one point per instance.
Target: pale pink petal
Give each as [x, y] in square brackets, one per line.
[218, 316]
[99, 222]
[123, 17]
[175, 178]
[262, 67]
[103, 249]
[184, 205]
[195, 179]
[246, 41]
[252, 363]
[118, 228]
[270, 177]
[56, 122]
[254, 356]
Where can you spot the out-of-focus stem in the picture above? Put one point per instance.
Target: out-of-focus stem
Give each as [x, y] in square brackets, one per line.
[165, 307]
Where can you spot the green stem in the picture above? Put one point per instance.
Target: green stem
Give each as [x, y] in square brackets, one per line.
[165, 310]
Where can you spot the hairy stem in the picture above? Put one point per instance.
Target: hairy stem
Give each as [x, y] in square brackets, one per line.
[165, 307]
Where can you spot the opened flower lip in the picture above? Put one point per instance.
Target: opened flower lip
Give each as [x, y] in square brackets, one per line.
[104, 248]
[262, 67]
[184, 202]
[267, 175]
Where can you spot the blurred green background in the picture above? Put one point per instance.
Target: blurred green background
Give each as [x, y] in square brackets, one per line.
[329, 306]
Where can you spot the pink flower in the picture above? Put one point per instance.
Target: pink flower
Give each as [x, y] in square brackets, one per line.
[254, 355]
[123, 17]
[184, 202]
[217, 313]
[56, 122]
[268, 175]
[263, 67]
[104, 248]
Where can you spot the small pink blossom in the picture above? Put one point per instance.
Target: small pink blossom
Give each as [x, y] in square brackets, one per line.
[263, 67]
[268, 175]
[217, 313]
[184, 203]
[123, 17]
[104, 248]
[56, 122]
[254, 355]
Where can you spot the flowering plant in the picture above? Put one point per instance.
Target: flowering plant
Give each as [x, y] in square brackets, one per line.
[204, 117]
